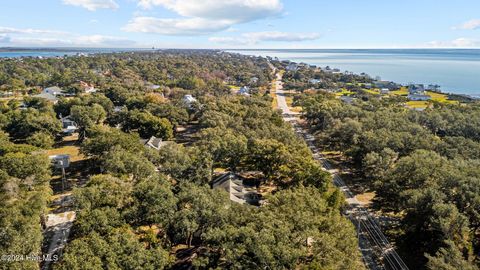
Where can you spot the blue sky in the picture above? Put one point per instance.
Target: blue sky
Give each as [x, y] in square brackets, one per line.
[241, 23]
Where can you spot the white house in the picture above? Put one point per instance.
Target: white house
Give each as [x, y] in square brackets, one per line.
[384, 91]
[189, 99]
[314, 81]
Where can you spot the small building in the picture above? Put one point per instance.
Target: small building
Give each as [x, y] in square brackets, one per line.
[237, 188]
[347, 99]
[314, 81]
[292, 67]
[60, 161]
[155, 143]
[384, 91]
[49, 97]
[419, 97]
[88, 87]
[53, 90]
[244, 91]
[254, 80]
[367, 85]
[416, 89]
[68, 125]
[433, 87]
[386, 84]
[189, 99]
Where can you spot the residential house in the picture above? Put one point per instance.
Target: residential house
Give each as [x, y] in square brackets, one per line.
[189, 99]
[245, 91]
[386, 84]
[314, 81]
[347, 99]
[88, 87]
[367, 85]
[416, 92]
[154, 143]
[53, 90]
[237, 188]
[48, 97]
[292, 67]
[68, 125]
[60, 161]
[254, 80]
[384, 91]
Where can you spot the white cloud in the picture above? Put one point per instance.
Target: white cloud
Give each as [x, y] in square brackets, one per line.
[470, 25]
[4, 39]
[92, 5]
[258, 37]
[456, 43]
[11, 30]
[38, 37]
[232, 40]
[102, 41]
[202, 17]
[282, 36]
[235, 10]
[191, 26]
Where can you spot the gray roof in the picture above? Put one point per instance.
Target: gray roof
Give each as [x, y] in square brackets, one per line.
[236, 188]
[46, 96]
[155, 143]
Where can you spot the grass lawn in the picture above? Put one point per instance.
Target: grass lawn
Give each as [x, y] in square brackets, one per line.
[73, 151]
[418, 104]
[402, 92]
[344, 92]
[443, 98]
[372, 91]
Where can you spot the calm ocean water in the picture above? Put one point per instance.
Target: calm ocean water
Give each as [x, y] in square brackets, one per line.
[456, 71]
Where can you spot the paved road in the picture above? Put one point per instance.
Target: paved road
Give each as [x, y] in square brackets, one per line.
[58, 225]
[376, 251]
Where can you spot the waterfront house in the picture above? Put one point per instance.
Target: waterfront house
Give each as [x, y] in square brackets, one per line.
[419, 97]
[386, 84]
[416, 89]
[416, 92]
[384, 91]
